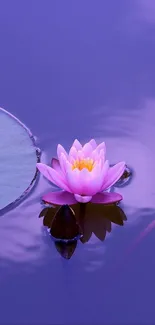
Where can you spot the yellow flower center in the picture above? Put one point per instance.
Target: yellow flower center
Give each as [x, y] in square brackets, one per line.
[83, 163]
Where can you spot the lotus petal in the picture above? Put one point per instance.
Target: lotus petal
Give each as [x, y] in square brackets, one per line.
[87, 150]
[106, 198]
[93, 143]
[53, 176]
[63, 162]
[84, 182]
[56, 165]
[113, 175]
[82, 199]
[59, 198]
[101, 146]
[77, 145]
[73, 153]
[90, 182]
[60, 150]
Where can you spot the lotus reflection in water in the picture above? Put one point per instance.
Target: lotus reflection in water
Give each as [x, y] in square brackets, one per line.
[67, 224]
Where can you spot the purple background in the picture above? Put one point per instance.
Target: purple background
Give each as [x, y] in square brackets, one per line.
[81, 69]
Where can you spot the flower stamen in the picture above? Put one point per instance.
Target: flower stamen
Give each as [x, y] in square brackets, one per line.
[83, 163]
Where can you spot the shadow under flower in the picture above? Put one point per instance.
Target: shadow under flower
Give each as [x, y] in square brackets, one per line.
[68, 224]
[97, 219]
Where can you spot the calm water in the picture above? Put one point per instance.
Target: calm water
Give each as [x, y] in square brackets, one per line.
[81, 70]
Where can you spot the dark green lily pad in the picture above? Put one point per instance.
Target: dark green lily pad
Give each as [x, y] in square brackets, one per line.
[18, 157]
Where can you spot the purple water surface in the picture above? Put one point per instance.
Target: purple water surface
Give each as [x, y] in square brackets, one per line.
[81, 69]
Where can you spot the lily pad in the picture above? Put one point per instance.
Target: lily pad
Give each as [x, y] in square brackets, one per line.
[18, 157]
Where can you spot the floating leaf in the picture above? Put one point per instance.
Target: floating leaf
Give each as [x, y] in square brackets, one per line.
[18, 157]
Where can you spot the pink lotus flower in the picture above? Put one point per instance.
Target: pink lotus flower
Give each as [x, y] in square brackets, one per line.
[83, 174]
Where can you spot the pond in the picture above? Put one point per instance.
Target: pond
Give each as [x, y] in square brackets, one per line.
[81, 70]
